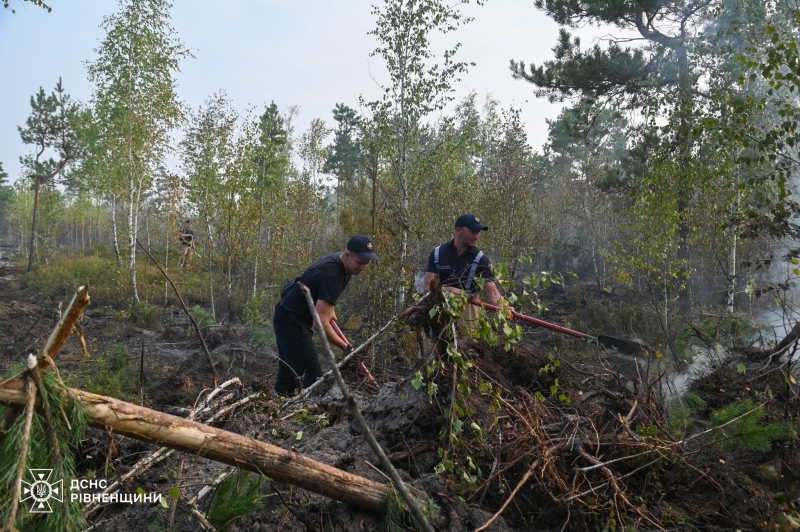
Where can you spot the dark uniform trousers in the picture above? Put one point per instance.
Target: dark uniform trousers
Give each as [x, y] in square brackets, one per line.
[299, 364]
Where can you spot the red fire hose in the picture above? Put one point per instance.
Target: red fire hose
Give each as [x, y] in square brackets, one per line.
[618, 344]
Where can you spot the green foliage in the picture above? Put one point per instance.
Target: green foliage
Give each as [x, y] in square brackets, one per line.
[679, 413]
[37, 3]
[144, 314]
[255, 311]
[236, 496]
[397, 517]
[749, 431]
[113, 374]
[263, 337]
[730, 329]
[70, 418]
[203, 317]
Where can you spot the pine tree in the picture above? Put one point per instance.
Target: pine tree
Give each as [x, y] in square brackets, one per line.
[344, 155]
[624, 76]
[51, 126]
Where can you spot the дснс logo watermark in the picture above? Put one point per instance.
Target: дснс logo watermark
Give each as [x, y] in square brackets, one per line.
[41, 491]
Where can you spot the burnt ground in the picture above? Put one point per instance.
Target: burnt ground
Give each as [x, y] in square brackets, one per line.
[694, 486]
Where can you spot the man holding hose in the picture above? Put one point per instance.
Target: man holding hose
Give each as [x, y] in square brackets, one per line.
[459, 262]
[326, 279]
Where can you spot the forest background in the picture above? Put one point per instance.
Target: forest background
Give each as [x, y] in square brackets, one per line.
[671, 170]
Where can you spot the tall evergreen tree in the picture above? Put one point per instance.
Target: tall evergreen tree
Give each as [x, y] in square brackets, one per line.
[659, 74]
[344, 156]
[273, 156]
[50, 126]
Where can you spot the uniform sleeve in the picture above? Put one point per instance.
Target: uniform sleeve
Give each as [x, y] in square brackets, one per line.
[485, 270]
[330, 288]
[431, 264]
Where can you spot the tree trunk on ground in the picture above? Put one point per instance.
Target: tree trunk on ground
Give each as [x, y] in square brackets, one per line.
[230, 448]
[792, 337]
[35, 220]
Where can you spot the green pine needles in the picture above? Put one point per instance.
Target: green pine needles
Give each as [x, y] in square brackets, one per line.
[748, 431]
[69, 421]
[680, 411]
[236, 496]
[397, 516]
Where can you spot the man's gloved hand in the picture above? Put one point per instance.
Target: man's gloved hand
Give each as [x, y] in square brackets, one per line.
[348, 349]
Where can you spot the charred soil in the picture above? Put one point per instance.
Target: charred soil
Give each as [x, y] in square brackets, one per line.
[568, 444]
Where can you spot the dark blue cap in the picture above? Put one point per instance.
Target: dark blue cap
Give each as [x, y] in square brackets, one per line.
[471, 222]
[363, 246]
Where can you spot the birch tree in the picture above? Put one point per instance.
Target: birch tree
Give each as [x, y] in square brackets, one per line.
[419, 82]
[135, 98]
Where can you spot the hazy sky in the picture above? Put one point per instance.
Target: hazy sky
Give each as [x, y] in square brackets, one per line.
[310, 53]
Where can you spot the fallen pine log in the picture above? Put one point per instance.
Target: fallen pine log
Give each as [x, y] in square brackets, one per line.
[166, 430]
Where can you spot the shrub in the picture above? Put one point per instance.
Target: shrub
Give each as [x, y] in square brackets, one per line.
[255, 310]
[113, 374]
[144, 314]
[236, 496]
[263, 337]
[679, 413]
[748, 431]
[203, 317]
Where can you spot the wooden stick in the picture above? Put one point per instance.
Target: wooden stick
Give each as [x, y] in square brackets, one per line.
[186, 310]
[63, 328]
[30, 403]
[303, 394]
[521, 483]
[234, 449]
[362, 423]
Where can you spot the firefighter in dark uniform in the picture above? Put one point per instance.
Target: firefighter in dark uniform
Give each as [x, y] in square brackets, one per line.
[459, 262]
[326, 279]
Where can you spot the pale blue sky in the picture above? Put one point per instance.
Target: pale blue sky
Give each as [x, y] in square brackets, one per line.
[310, 53]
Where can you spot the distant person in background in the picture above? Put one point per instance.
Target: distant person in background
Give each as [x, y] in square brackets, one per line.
[459, 262]
[326, 279]
[186, 236]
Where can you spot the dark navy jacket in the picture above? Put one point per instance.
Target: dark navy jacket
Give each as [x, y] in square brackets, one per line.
[454, 269]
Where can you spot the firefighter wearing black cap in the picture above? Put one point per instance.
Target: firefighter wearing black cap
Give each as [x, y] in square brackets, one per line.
[459, 263]
[326, 279]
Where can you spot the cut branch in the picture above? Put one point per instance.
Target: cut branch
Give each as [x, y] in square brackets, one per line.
[189, 314]
[63, 329]
[362, 423]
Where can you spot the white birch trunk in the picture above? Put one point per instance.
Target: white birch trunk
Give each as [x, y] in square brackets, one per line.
[114, 231]
[132, 223]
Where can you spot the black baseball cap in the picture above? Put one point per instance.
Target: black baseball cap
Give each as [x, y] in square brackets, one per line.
[188, 222]
[471, 222]
[363, 246]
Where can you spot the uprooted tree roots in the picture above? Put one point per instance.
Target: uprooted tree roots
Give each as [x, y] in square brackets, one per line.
[574, 446]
